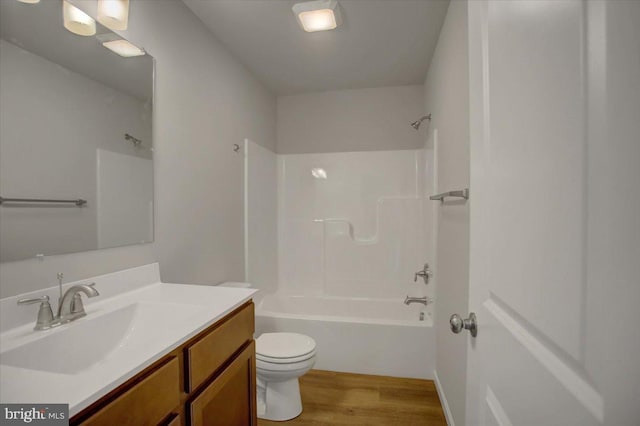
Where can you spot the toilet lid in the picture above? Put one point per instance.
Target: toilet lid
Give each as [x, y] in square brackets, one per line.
[293, 360]
[284, 345]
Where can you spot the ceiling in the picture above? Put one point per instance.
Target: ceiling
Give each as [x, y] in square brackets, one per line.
[380, 43]
[39, 29]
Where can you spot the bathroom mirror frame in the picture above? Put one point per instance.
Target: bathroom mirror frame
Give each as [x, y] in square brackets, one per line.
[141, 148]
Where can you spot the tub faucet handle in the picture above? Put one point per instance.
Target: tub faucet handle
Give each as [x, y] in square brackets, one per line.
[426, 274]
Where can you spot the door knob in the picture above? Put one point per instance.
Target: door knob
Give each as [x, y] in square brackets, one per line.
[458, 324]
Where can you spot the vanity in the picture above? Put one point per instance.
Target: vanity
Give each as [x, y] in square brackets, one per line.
[148, 353]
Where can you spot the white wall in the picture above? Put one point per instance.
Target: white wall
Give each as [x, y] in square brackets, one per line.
[52, 120]
[360, 233]
[205, 102]
[261, 216]
[447, 99]
[350, 120]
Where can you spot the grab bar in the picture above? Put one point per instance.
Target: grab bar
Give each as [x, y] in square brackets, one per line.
[461, 193]
[79, 202]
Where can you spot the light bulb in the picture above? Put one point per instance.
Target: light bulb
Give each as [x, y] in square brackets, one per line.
[318, 20]
[113, 14]
[77, 21]
[318, 15]
[124, 48]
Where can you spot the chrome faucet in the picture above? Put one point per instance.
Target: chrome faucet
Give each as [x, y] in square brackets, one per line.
[425, 274]
[70, 306]
[424, 300]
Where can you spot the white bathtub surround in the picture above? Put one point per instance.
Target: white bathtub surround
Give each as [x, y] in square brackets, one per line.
[359, 233]
[261, 216]
[357, 336]
[353, 228]
[134, 322]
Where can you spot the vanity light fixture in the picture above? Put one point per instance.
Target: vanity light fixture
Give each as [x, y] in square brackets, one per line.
[318, 15]
[124, 48]
[113, 14]
[77, 21]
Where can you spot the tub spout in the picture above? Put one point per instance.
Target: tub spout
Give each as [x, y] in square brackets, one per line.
[410, 300]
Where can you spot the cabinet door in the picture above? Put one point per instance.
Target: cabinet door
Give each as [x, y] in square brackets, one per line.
[209, 353]
[231, 398]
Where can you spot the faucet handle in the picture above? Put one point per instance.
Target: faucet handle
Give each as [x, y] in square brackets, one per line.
[45, 313]
[77, 307]
[31, 301]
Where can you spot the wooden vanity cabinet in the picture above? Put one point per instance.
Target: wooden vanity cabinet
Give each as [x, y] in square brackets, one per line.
[209, 380]
[230, 399]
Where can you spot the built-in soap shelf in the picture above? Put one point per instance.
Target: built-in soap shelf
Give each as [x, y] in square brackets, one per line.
[461, 193]
[374, 239]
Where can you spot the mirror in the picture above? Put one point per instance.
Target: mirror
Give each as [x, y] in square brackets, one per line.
[76, 153]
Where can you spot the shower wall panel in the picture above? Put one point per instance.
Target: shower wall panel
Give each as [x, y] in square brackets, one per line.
[354, 224]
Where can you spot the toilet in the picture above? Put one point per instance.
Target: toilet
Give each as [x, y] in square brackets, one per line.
[280, 359]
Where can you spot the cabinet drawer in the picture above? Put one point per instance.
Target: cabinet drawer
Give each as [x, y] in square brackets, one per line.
[209, 353]
[231, 398]
[146, 403]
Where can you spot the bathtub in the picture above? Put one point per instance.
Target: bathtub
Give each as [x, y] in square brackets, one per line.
[383, 337]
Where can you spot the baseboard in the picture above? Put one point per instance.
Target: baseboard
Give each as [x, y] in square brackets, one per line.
[443, 400]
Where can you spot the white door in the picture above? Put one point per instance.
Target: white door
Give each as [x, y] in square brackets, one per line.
[554, 213]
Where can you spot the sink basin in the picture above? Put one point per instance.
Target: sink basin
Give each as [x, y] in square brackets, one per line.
[82, 344]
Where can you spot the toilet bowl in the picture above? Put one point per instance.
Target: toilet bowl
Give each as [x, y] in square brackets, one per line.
[280, 359]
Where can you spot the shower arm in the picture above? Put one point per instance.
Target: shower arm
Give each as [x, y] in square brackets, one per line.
[416, 124]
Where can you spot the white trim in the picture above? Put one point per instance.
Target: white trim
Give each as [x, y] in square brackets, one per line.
[246, 209]
[443, 400]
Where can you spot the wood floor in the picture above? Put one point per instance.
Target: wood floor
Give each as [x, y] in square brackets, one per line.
[330, 398]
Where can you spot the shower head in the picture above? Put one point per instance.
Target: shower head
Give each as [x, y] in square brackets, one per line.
[416, 124]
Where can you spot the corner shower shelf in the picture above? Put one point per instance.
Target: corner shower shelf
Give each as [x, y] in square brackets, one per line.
[462, 193]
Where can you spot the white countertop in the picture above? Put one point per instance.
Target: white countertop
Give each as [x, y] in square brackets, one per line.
[185, 311]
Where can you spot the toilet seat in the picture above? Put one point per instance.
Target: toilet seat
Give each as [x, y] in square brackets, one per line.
[286, 360]
[284, 348]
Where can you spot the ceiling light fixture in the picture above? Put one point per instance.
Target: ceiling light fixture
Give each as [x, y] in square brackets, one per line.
[77, 21]
[124, 48]
[318, 15]
[29, 1]
[113, 14]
